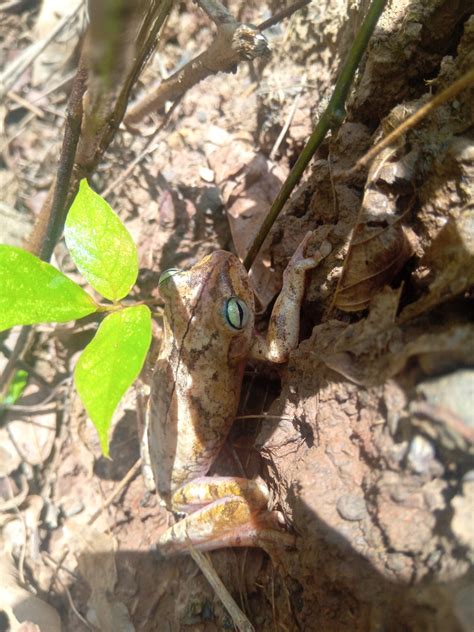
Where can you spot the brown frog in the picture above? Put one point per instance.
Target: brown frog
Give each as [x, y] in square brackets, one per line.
[208, 337]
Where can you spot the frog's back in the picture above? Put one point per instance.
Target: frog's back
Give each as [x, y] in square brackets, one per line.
[196, 385]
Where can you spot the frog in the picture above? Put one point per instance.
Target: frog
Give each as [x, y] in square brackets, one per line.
[208, 337]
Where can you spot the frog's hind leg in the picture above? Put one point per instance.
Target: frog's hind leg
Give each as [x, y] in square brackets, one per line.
[226, 511]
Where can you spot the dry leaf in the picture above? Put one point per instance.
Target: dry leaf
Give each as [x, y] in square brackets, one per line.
[55, 57]
[380, 245]
[249, 184]
[33, 434]
[451, 260]
[21, 604]
[376, 348]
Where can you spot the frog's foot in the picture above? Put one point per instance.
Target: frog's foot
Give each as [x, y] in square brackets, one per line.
[283, 329]
[300, 263]
[226, 511]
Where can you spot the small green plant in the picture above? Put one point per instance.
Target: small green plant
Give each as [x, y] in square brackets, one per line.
[15, 390]
[33, 291]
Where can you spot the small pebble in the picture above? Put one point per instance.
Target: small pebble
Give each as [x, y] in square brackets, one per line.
[468, 476]
[206, 174]
[50, 517]
[351, 507]
[72, 507]
[420, 454]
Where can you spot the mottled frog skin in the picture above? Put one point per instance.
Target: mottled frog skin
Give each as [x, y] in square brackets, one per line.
[209, 335]
[199, 371]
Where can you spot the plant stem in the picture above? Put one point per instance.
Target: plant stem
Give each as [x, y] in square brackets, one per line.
[72, 130]
[331, 118]
[91, 123]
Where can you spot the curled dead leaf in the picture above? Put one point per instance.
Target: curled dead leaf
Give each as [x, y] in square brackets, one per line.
[450, 260]
[24, 611]
[378, 347]
[377, 252]
[380, 245]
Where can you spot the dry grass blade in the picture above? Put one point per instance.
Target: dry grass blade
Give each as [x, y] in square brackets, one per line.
[449, 93]
[240, 620]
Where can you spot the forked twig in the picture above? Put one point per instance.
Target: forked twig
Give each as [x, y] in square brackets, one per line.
[110, 67]
[234, 43]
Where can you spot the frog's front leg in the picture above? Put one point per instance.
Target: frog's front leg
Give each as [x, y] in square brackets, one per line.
[283, 330]
[225, 511]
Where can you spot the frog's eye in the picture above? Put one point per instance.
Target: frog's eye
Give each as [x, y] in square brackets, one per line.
[167, 274]
[236, 313]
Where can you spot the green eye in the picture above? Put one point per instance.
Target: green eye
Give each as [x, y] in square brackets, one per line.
[167, 274]
[236, 313]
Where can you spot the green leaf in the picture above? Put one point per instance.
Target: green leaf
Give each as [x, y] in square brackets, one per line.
[32, 291]
[110, 363]
[16, 388]
[100, 245]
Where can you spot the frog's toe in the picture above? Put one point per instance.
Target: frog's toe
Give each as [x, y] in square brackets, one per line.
[300, 263]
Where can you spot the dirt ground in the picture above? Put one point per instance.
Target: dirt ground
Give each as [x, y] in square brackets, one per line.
[368, 443]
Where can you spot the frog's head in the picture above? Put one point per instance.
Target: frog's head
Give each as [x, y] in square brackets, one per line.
[213, 298]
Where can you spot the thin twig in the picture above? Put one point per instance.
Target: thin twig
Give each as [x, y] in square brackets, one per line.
[54, 111]
[45, 238]
[10, 75]
[39, 407]
[234, 43]
[330, 119]
[59, 566]
[21, 517]
[15, 501]
[16, 355]
[217, 12]
[72, 604]
[130, 475]
[221, 56]
[32, 373]
[150, 147]
[446, 95]
[238, 617]
[288, 121]
[25, 104]
[281, 15]
[263, 416]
